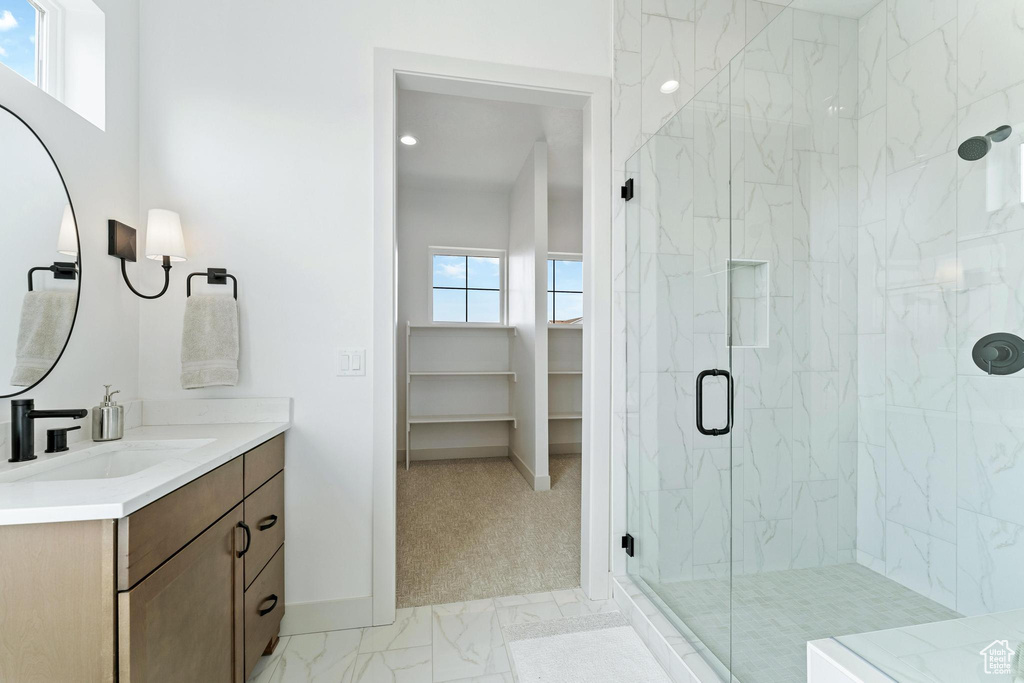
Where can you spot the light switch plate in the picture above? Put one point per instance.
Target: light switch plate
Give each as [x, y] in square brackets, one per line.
[351, 362]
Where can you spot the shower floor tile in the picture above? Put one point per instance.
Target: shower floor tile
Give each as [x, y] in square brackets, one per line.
[774, 614]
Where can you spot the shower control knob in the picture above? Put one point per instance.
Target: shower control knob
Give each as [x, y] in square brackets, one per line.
[1001, 353]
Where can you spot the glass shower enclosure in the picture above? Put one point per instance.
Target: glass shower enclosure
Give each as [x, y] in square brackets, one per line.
[814, 449]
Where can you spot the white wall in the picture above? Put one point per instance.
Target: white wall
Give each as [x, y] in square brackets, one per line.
[565, 221]
[527, 305]
[257, 126]
[101, 171]
[473, 219]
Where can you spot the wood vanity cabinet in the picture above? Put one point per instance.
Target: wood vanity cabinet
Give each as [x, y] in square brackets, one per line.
[188, 588]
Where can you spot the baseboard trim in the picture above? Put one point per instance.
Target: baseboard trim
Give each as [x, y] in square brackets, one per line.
[565, 448]
[455, 453]
[326, 615]
[535, 482]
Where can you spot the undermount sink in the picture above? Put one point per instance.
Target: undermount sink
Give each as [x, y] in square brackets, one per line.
[107, 461]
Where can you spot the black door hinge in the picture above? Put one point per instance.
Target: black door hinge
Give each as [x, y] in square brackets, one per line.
[627, 190]
[628, 544]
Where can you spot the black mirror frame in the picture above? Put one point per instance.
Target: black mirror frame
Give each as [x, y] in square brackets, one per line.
[78, 258]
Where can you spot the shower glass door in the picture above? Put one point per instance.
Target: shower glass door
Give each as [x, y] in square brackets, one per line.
[683, 409]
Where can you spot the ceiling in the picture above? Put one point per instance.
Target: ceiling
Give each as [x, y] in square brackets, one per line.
[854, 9]
[471, 142]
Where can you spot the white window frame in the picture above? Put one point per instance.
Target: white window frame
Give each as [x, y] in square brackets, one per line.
[560, 256]
[50, 47]
[500, 254]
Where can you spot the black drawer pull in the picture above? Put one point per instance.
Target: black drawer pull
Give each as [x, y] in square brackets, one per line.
[267, 610]
[248, 538]
[267, 522]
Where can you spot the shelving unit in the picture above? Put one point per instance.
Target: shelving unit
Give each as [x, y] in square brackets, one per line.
[565, 388]
[464, 373]
[467, 359]
[449, 419]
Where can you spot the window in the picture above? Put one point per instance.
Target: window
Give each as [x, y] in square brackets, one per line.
[60, 46]
[21, 24]
[467, 286]
[565, 291]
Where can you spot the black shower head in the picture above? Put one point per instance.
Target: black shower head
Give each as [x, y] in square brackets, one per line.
[976, 148]
[973, 149]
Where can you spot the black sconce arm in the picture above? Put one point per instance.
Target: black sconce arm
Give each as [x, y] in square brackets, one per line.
[167, 280]
[121, 244]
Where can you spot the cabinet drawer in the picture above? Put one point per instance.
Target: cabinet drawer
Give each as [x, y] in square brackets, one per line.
[263, 462]
[147, 537]
[264, 514]
[264, 607]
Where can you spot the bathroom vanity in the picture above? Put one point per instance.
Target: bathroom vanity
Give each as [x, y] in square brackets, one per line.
[169, 567]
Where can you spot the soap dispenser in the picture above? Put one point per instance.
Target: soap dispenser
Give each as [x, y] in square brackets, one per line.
[108, 418]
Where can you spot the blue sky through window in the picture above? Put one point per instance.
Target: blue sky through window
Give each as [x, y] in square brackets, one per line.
[466, 289]
[18, 20]
[565, 291]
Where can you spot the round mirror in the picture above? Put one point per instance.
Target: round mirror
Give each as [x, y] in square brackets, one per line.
[40, 266]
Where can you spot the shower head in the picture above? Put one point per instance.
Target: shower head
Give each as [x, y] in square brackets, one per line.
[976, 148]
[973, 149]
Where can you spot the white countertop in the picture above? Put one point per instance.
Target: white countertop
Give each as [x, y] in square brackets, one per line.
[34, 502]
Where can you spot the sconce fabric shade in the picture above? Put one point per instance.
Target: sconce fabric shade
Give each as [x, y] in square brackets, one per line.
[67, 238]
[164, 237]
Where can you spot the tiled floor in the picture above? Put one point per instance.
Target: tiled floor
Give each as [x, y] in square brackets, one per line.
[771, 616]
[459, 642]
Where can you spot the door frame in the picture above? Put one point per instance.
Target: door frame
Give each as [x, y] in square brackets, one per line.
[592, 95]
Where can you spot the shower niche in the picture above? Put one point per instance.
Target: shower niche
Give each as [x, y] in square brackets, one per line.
[749, 287]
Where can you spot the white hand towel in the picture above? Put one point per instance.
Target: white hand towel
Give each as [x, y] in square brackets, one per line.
[209, 341]
[46, 319]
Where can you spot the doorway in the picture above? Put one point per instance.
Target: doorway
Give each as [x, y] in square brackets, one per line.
[397, 72]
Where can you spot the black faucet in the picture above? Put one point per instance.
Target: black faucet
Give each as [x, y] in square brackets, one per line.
[23, 438]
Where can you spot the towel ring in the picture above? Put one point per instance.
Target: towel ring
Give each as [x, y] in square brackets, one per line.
[62, 270]
[214, 276]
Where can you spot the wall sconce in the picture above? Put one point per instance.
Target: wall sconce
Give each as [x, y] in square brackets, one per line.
[67, 238]
[164, 242]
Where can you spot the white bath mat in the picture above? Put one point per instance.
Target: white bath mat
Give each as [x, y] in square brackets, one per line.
[596, 649]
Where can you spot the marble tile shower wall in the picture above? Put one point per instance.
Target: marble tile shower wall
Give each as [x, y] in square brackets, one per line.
[940, 463]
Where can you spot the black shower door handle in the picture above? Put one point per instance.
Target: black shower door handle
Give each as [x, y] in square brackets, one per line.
[700, 402]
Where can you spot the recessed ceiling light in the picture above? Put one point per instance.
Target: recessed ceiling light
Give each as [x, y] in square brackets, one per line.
[669, 87]
[408, 140]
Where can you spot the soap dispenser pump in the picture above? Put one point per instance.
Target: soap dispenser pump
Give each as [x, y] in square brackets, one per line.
[108, 418]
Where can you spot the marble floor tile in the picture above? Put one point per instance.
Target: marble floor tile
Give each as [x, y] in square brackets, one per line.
[319, 658]
[411, 629]
[524, 609]
[467, 641]
[412, 665]
[266, 666]
[575, 603]
[489, 678]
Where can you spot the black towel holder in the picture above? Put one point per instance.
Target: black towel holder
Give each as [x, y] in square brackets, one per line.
[62, 270]
[214, 276]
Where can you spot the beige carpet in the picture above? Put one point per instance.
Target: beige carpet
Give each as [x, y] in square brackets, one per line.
[472, 529]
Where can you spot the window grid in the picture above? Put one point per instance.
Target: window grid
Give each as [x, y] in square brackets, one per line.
[467, 289]
[555, 291]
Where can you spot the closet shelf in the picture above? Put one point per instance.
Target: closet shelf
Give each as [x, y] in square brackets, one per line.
[465, 373]
[565, 416]
[565, 372]
[443, 419]
[449, 327]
